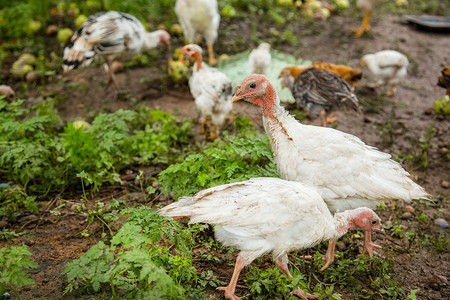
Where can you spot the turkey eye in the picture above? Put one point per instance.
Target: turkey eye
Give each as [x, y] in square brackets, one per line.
[253, 85]
[374, 222]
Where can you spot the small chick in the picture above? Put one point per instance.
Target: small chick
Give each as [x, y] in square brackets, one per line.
[388, 66]
[444, 79]
[259, 59]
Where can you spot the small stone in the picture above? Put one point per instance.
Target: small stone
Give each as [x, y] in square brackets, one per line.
[171, 195]
[406, 216]
[28, 241]
[428, 111]
[379, 236]
[445, 184]
[129, 171]
[341, 246]
[409, 208]
[441, 222]
[155, 184]
[3, 224]
[32, 77]
[388, 222]
[52, 30]
[443, 279]
[117, 66]
[8, 92]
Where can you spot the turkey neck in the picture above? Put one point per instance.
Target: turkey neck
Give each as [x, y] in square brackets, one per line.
[198, 60]
[273, 117]
[344, 221]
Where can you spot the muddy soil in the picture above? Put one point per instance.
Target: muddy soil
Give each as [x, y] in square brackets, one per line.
[395, 126]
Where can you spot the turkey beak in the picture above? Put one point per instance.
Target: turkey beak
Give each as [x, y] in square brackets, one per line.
[238, 95]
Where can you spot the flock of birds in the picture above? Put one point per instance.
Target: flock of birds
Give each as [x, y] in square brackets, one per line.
[330, 179]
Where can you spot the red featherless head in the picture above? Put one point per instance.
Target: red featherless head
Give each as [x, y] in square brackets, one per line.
[257, 90]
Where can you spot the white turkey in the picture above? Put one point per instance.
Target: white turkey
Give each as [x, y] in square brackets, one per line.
[388, 66]
[212, 91]
[113, 36]
[269, 215]
[346, 172]
[259, 59]
[199, 18]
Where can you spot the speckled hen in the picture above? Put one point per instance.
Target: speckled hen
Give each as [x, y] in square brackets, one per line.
[113, 36]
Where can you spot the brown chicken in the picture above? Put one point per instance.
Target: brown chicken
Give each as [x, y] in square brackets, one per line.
[444, 79]
[352, 76]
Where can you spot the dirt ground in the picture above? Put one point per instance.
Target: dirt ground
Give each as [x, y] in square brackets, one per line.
[56, 240]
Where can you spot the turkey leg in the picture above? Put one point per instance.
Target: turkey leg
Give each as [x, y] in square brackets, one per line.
[230, 289]
[329, 256]
[283, 266]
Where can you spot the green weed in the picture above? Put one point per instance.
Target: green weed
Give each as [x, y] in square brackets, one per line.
[13, 262]
[229, 160]
[147, 258]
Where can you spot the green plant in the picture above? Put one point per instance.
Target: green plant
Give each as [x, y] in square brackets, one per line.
[148, 257]
[229, 160]
[14, 198]
[13, 262]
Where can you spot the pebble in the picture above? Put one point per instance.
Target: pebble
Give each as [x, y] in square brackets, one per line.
[155, 184]
[388, 222]
[442, 278]
[445, 184]
[341, 246]
[406, 215]
[409, 208]
[3, 224]
[441, 222]
[28, 241]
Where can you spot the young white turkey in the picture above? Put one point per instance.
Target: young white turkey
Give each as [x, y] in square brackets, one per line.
[318, 92]
[388, 66]
[259, 59]
[269, 215]
[113, 36]
[199, 17]
[212, 91]
[346, 172]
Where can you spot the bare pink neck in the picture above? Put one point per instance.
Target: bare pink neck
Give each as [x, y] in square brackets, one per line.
[268, 101]
[198, 57]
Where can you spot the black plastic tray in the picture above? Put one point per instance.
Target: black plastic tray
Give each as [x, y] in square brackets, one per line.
[437, 23]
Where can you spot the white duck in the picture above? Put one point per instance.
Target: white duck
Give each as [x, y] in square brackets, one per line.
[346, 172]
[199, 17]
[388, 66]
[212, 91]
[259, 59]
[269, 215]
[112, 35]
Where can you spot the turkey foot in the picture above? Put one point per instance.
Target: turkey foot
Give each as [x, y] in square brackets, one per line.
[282, 265]
[368, 245]
[302, 295]
[365, 26]
[391, 92]
[230, 289]
[331, 119]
